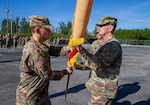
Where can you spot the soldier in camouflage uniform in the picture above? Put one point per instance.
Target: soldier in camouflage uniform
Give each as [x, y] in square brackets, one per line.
[95, 45]
[104, 64]
[35, 65]
[1, 40]
[15, 38]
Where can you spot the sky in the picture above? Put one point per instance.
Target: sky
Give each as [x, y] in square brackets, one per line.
[131, 14]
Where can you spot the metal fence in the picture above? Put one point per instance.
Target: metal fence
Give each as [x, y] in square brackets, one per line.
[130, 42]
[135, 42]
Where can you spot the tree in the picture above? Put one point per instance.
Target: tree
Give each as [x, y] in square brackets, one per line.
[4, 26]
[17, 25]
[65, 28]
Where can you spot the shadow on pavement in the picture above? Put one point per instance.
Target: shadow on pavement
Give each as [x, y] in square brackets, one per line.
[125, 90]
[143, 102]
[71, 90]
[10, 61]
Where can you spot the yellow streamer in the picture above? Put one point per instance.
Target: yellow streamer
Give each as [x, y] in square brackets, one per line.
[81, 17]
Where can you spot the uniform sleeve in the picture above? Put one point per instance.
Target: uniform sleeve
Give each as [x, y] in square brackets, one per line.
[58, 51]
[110, 53]
[58, 75]
[104, 57]
[92, 48]
[41, 66]
[43, 70]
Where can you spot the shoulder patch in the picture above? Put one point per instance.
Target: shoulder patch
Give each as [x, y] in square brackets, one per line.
[39, 63]
[109, 55]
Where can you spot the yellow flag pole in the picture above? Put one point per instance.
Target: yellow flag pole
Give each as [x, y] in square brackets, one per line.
[80, 22]
[79, 26]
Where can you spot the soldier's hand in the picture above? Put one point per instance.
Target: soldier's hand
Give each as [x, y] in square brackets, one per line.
[69, 69]
[78, 47]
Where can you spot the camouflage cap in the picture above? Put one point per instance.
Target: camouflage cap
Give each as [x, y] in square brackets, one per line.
[107, 20]
[39, 21]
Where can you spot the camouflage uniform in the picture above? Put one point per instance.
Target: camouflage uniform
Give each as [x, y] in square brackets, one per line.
[105, 65]
[15, 39]
[1, 41]
[8, 41]
[57, 41]
[36, 73]
[54, 41]
[95, 45]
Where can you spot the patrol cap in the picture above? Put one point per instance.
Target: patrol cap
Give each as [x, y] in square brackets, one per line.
[107, 20]
[39, 21]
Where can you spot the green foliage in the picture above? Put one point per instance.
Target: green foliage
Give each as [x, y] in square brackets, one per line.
[3, 26]
[21, 28]
[134, 34]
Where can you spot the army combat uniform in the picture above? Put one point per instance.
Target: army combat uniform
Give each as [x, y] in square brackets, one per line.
[95, 45]
[105, 66]
[36, 72]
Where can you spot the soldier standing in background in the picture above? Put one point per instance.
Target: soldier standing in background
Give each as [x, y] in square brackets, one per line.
[7, 40]
[54, 41]
[22, 41]
[19, 41]
[15, 41]
[26, 38]
[57, 41]
[4, 40]
[104, 64]
[35, 65]
[1, 41]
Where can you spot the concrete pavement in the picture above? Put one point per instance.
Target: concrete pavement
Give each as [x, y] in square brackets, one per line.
[134, 81]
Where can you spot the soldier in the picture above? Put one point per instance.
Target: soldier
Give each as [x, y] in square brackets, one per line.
[1, 40]
[104, 64]
[7, 40]
[4, 40]
[15, 40]
[35, 65]
[54, 41]
[23, 40]
[27, 38]
[57, 41]
[19, 40]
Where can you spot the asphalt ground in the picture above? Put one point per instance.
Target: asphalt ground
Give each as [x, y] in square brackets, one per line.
[134, 81]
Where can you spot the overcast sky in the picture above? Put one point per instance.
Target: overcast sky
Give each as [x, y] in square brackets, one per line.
[131, 14]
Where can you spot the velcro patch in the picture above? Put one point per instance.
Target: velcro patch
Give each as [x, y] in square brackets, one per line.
[39, 63]
[108, 56]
